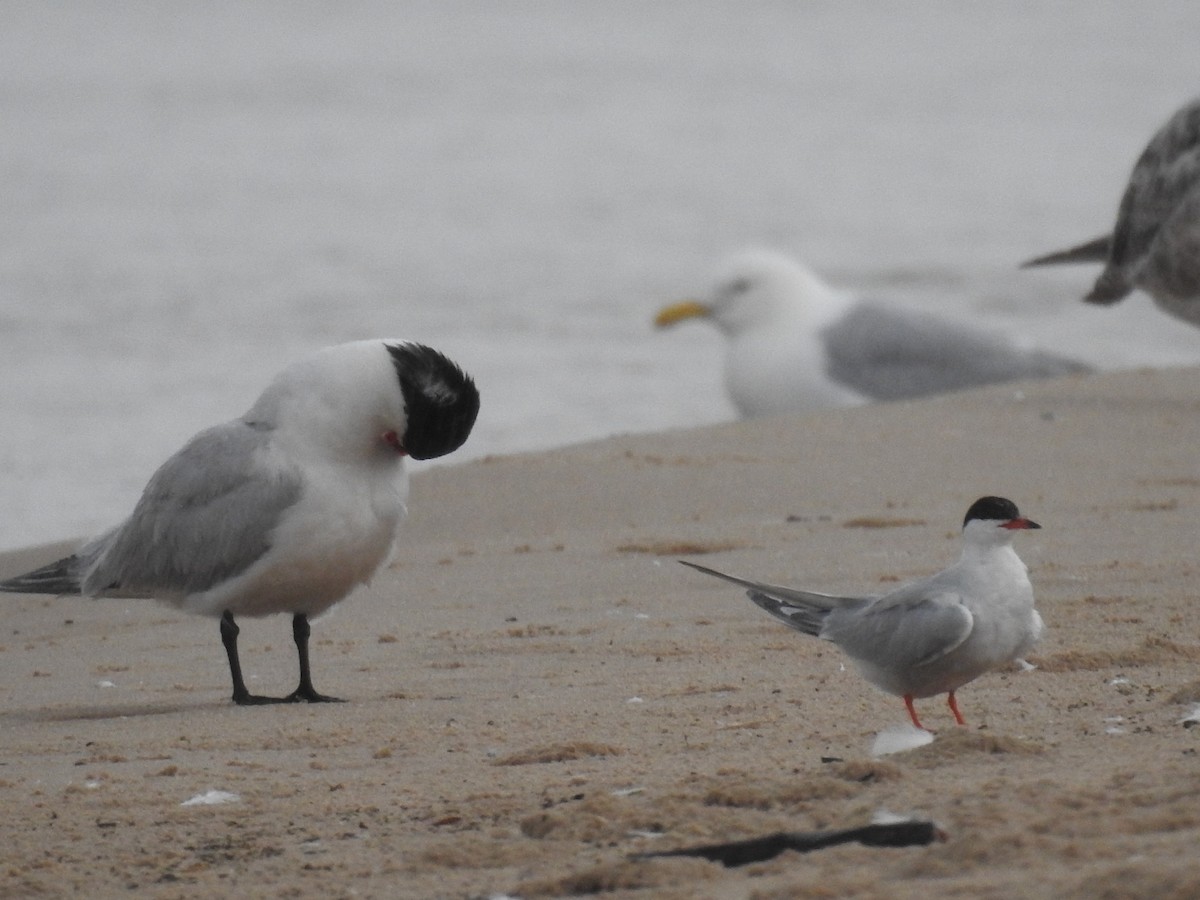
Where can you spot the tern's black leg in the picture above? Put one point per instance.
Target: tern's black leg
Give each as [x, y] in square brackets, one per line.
[306, 691]
[241, 696]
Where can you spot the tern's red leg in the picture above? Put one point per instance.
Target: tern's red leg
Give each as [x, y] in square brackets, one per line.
[908, 701]
[954, 709]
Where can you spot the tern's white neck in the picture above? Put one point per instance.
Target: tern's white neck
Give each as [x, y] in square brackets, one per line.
[985, 539]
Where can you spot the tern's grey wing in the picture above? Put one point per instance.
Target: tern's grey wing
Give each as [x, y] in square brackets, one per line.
[888, 354]
[206, 515]
[1165, 175]
[901, 631]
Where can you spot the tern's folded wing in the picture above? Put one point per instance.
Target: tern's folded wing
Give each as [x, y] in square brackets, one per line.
[901, 634]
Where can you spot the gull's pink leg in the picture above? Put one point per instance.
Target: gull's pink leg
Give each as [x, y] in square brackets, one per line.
[908, 701]
[954, 709]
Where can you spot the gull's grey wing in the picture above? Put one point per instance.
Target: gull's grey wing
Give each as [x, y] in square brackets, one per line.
[1171, 272]
[891, 355]
[912, 626]
[1095, 250]
[1164, 177]
[1155, 243]
[59, 577]
[206, 516]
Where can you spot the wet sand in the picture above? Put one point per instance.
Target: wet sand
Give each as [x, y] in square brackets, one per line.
[538, 690]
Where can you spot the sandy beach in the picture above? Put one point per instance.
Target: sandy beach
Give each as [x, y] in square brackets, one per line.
[537, 690]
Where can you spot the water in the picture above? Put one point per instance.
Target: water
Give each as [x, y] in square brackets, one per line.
[193, 195]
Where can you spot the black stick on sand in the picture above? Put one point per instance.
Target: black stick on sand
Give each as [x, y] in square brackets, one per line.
[740, 853]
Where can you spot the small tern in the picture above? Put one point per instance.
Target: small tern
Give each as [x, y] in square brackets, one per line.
[795, 344]
[1155, 244]
[288, 508]
[931, 636]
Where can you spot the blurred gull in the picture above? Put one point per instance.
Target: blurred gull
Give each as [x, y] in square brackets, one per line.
[795, 344]
[931, 636]
[1155, 244]
[290, 507]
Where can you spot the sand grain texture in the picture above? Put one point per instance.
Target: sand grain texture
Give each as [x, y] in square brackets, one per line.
[538, 690]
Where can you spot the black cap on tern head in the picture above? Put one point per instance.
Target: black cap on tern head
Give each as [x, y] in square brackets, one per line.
[998, 509]
[440, 400]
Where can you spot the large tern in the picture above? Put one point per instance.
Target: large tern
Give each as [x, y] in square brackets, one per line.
[796, 344]
[290, 507]
[1155, 244]
[931, 636]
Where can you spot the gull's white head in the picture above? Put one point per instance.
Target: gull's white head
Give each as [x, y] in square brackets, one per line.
[760, 290]
[370, 398]
[772, 311]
